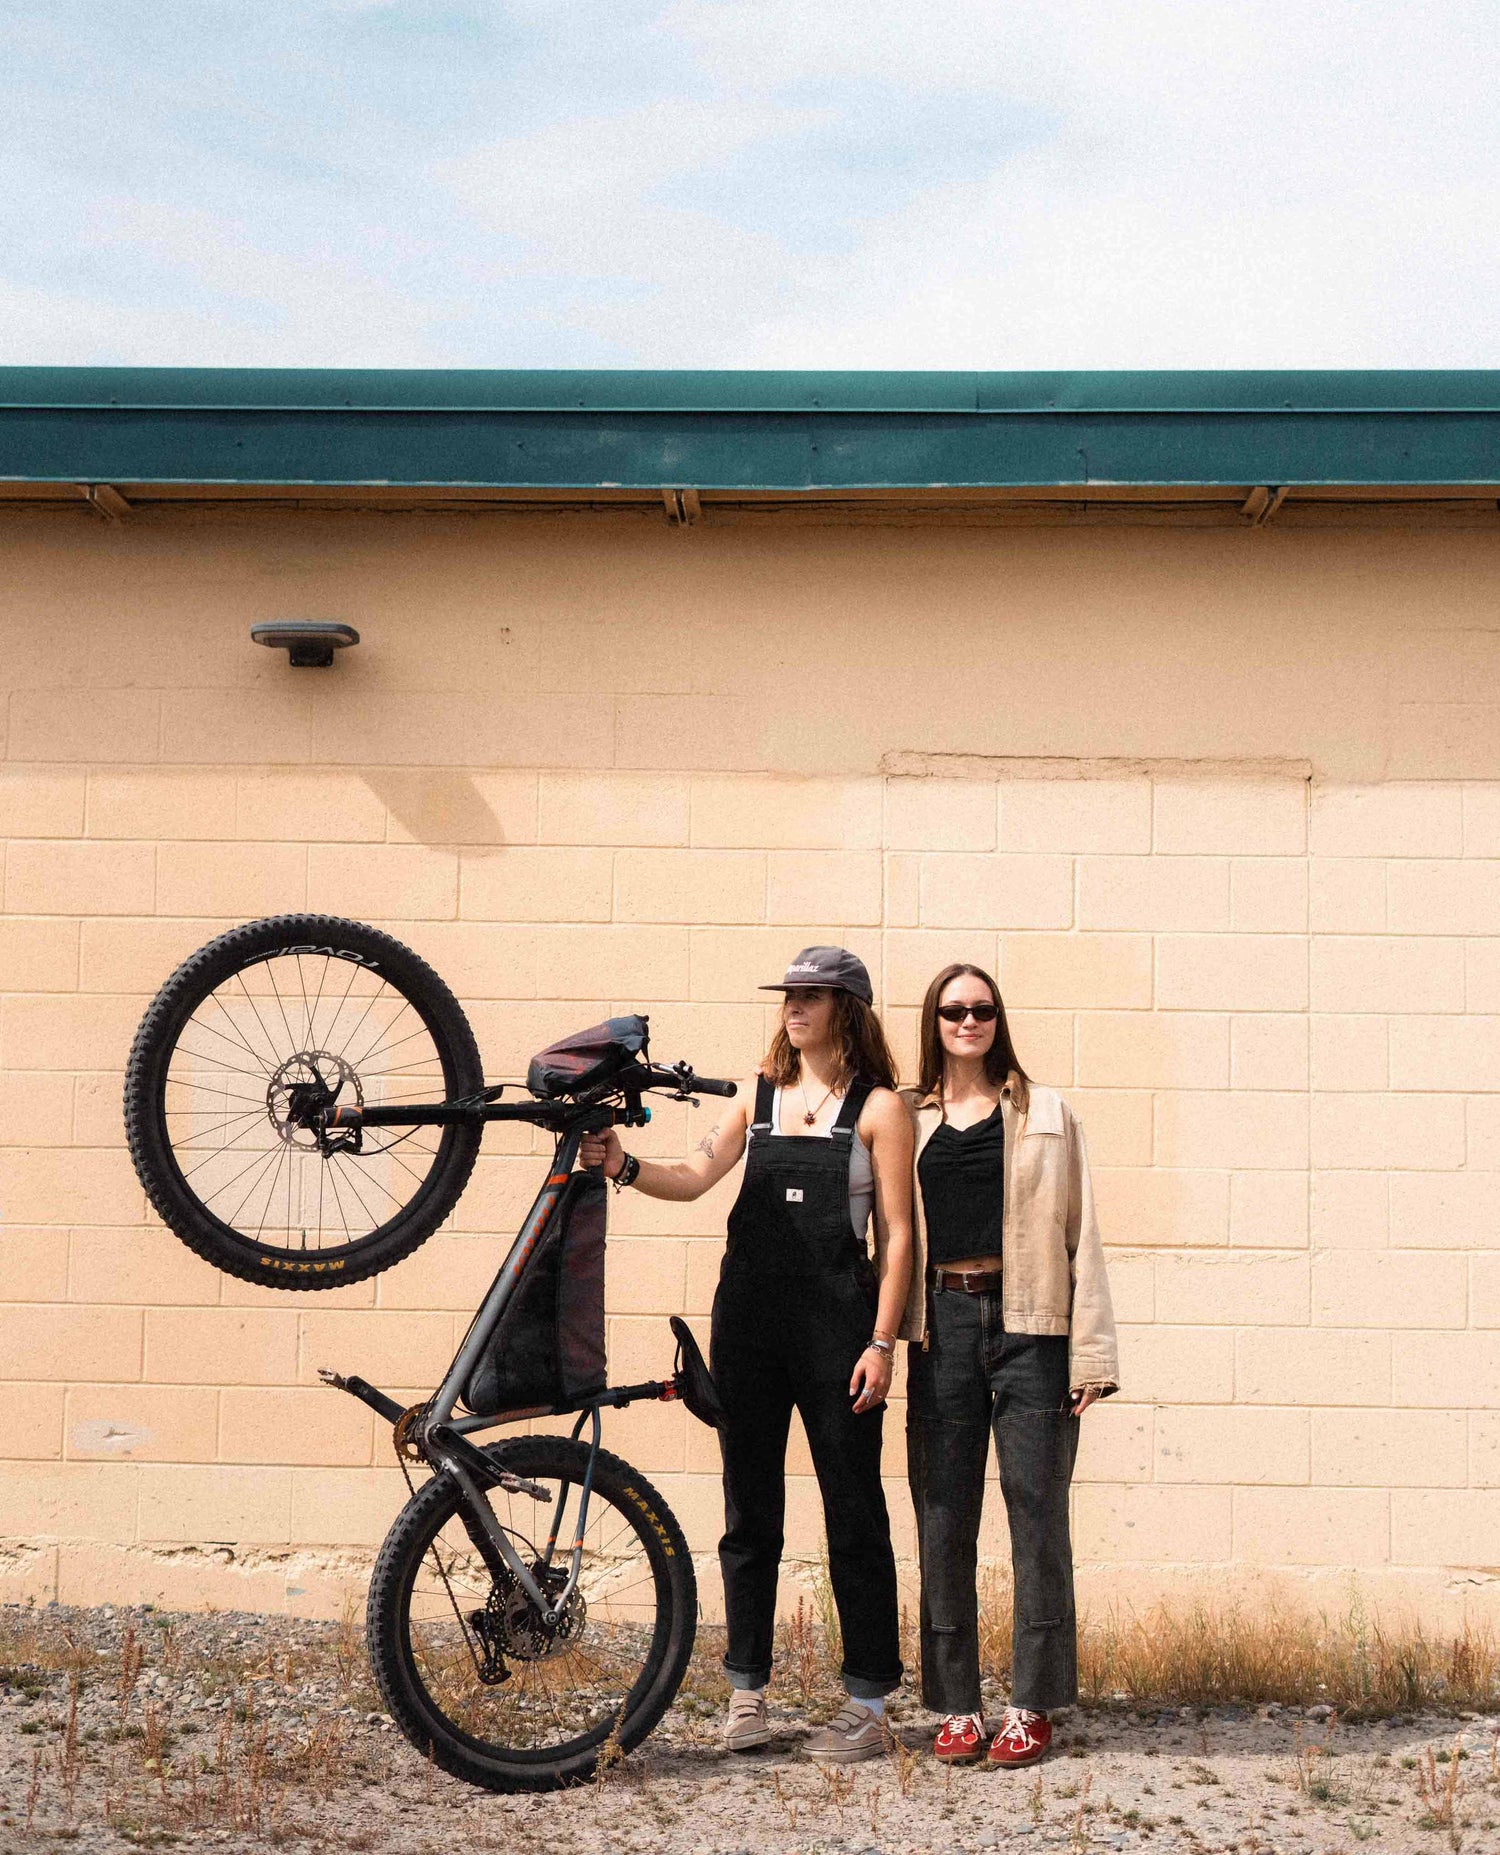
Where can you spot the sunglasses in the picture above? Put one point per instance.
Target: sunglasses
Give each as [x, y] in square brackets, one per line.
[955, 1014]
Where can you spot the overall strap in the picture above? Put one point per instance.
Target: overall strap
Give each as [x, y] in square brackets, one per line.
[765, 1103]
[850, 1110]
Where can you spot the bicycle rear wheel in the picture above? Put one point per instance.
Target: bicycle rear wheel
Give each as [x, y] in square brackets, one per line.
[242, 1044]
[466, 1667]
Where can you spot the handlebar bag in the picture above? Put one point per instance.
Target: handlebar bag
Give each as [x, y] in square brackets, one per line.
[695, 1384]
[549, 1345]
[587, 1058]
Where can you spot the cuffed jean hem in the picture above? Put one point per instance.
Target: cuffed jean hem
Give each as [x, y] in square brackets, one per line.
[870, 1687]
[747, 1680]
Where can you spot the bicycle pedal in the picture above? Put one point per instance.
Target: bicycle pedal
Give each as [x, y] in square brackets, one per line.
[515, 1484]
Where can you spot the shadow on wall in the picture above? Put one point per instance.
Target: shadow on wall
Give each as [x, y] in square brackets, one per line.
[438, 808]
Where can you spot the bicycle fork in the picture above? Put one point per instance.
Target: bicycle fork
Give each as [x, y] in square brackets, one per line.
[451, 1455]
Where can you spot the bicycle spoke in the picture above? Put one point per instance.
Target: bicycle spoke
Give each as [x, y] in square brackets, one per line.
[353, 1186]
[333, 1180]
[274, 1152]
[306, 1008]
[312, 1022]
[343, 1047]
[271, 1041]
[215, 1089]
[253, 1054]
[270, 1195]
[207, 1056]
[385, 1030]
[276, 993]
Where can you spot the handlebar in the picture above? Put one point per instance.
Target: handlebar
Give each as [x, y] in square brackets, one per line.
[681, 1079]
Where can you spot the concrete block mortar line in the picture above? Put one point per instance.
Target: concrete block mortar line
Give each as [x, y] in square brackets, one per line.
[1307, 1013]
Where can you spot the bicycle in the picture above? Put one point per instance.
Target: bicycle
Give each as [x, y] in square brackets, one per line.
[263, 1112]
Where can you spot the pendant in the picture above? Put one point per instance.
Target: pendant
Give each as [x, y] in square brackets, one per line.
[808, 1119]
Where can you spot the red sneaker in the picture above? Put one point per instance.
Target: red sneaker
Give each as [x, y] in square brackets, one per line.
[1022, 1739]
[960, 1739]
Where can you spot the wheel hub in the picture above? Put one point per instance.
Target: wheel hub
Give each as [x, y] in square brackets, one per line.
[300, 1092]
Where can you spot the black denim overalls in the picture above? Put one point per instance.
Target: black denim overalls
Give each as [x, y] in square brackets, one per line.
[794, 1310]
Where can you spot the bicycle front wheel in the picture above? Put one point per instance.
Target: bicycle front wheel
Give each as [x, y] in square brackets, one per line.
[240, 1048]
[467, 1668]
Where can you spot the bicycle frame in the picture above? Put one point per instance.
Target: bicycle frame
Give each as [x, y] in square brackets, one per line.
[442, 1435]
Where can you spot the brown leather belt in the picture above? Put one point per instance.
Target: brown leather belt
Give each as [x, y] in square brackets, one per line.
[966, 1281]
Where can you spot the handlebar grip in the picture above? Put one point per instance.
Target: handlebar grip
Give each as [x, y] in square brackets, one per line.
[706, 1085]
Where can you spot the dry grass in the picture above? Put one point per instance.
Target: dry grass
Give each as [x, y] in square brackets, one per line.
[1205, 1654]
[154, 1777]
[1200, 1654]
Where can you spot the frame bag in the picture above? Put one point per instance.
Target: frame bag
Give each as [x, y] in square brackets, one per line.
[549, 1346]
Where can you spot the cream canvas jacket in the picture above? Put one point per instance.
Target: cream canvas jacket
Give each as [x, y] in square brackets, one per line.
[1053, 1279]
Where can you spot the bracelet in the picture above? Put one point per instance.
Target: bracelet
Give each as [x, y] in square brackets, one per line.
[881, 1346]
[629, 1167]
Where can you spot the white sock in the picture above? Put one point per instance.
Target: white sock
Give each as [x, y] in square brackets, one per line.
[876, 1706]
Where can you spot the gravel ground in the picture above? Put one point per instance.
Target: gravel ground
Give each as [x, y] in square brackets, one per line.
[128, 1729]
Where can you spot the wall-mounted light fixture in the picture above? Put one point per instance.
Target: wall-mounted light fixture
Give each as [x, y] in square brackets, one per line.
[308, 642]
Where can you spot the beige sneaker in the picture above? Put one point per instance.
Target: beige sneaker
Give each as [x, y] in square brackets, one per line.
[853, 1734]
[745, 1725]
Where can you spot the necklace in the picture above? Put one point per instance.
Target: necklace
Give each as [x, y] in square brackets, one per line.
[812, 1113]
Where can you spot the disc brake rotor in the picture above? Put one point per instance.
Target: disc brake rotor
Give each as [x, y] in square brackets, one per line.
[301, 1088]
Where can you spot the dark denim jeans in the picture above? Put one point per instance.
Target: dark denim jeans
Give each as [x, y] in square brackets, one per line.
[975, 1376]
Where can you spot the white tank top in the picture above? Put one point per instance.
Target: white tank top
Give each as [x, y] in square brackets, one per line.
[861, 1172]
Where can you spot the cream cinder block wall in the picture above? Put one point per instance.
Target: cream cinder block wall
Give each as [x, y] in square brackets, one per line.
[1220, 807]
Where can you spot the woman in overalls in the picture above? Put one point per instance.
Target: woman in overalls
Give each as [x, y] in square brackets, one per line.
[804, 1319]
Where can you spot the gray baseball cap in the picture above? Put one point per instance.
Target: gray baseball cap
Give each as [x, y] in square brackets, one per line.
[835, 967]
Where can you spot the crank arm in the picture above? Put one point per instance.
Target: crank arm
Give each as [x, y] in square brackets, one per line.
[386, 1407]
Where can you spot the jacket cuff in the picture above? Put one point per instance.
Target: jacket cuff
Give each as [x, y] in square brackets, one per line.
[1085, 1371]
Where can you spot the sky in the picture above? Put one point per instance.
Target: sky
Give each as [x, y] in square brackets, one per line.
[1002, 184]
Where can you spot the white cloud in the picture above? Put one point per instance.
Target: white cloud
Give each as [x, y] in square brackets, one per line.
[1158, 183]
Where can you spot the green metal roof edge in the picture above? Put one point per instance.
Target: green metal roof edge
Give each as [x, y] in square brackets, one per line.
[795, 433]
[623, 390]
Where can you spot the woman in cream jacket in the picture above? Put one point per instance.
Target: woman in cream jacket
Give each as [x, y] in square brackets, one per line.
[1014, 1334]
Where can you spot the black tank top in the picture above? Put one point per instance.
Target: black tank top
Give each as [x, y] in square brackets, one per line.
[962, 1176]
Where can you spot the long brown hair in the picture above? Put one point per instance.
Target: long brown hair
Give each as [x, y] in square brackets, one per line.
[862, 1053]
[1000, 1059]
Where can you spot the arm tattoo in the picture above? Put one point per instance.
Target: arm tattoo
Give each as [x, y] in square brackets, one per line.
[706, 1144]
